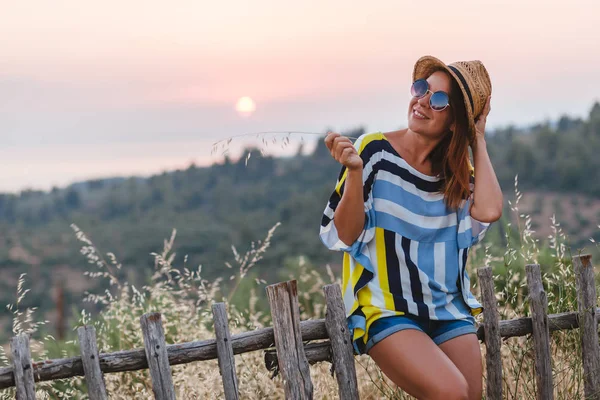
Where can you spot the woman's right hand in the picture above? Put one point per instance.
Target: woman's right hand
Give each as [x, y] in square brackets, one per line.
[343, 151]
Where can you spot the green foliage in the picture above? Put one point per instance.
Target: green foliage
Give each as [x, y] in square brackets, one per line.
[559, 158]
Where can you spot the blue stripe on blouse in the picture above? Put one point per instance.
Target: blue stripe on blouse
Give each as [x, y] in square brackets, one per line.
[426, 262]
[414, 232]
[394, 193]
[451, 258]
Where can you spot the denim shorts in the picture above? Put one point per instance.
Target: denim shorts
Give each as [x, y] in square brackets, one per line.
[439, 331]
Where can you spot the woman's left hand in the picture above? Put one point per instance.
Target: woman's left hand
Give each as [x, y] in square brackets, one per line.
[480, 121]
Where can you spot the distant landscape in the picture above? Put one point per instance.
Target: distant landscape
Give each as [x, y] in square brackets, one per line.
[238, 201]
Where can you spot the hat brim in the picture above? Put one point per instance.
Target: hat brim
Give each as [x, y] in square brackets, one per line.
[425, 66]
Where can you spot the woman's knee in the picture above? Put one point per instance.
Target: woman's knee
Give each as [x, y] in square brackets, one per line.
[456, 390]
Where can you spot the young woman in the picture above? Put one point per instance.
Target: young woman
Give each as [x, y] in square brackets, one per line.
[405, 212]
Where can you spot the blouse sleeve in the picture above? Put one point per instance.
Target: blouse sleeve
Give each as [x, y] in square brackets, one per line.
[470, 230]
[328, 232]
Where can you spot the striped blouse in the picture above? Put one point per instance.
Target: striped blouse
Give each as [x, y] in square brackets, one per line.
[411, 254]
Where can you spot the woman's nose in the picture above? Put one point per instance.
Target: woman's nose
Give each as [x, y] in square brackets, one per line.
[424, 101]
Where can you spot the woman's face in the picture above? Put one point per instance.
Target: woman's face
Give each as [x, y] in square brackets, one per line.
[436, 123]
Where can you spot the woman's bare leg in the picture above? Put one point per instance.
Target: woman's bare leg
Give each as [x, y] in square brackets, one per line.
[418, 366]
[465, 353]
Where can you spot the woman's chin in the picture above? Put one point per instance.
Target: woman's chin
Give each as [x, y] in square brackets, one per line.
[414, 123]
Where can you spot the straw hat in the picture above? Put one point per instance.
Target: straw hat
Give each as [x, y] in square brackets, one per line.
[472, 78]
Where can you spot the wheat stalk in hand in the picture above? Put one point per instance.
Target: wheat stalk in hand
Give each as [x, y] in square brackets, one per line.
[224, 143]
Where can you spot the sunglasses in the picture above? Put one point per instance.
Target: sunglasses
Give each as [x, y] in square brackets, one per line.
[438, 100]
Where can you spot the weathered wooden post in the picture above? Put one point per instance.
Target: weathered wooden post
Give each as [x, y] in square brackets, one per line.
[588, 324]
[225, 352]
[491, 317]
[91, 363]
[22, 367]
[156, 354]
[283, 299]
[538, 303]
[341, 343]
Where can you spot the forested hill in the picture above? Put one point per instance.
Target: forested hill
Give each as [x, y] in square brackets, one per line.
[562, 158]
[233, 203]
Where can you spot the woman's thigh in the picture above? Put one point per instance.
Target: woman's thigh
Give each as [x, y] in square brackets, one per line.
[417, 365]
[465, 353]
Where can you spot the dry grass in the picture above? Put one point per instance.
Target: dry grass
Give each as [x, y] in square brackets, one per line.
[184, 298]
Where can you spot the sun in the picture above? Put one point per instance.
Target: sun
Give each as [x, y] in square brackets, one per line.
[245, 106]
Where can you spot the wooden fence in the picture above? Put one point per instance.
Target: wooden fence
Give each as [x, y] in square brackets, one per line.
[292, 357]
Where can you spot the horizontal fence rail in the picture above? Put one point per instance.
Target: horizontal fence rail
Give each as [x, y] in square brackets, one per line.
[260, 339]
[182, 353]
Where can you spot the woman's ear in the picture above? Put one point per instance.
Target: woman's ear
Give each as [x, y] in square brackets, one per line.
[452, 127]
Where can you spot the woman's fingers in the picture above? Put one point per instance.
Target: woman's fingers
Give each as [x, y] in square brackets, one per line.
[329, 139]
[486, 109]
[341, 140]
[333, 138]
[340, 148]
[346, 153]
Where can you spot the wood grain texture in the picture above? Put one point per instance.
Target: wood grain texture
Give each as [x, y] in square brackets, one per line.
[538, 304]
[180, 353]
[91, 363]
[283, 300]
[22, 366]
[588, 320]
[493, 343]
[522, 326]
[156, 354]
[341, 343]
[315, 352]
[225, 352]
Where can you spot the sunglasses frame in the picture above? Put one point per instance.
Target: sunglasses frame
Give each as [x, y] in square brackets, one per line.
[432, 93]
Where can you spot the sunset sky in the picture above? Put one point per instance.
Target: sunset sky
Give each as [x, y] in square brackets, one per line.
[127, 87]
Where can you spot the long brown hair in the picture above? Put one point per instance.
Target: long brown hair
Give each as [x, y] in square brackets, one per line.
[450, 158]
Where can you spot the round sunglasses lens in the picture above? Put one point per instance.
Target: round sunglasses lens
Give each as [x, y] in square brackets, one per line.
[419, 88]
[438, 101]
